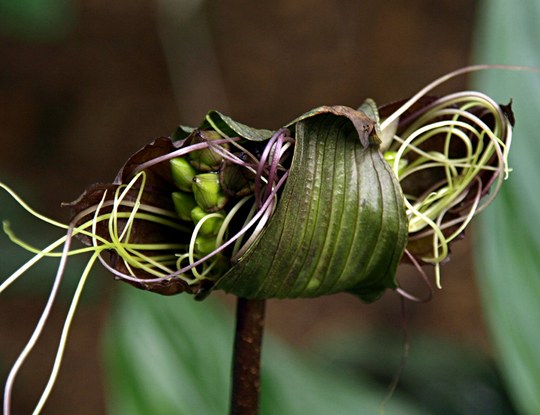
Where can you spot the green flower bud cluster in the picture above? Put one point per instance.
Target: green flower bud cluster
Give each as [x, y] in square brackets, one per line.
[201, 197]
[200, 194]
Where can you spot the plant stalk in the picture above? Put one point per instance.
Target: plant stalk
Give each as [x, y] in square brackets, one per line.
[247, 357]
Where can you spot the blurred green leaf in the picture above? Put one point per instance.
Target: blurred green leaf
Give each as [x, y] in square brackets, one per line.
[172, 355]
[508, 249]
[40, 20]
[440, 376]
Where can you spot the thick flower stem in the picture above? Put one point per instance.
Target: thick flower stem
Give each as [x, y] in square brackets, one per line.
[247, 356]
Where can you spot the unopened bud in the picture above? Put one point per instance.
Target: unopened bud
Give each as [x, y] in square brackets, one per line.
[211, 225]
[207, 159]
[236, 181]
[208, 193]
[205, 244]
[183, 204]
[182, 173]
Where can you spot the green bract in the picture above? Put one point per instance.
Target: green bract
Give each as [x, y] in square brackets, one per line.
[340, 222]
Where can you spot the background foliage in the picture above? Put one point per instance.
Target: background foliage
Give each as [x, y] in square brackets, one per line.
[173, 356]
[508, 243]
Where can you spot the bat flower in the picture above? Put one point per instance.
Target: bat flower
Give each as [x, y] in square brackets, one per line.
[308, 210]
[332, 202]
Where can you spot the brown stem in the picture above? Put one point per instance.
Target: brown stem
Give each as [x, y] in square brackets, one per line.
[247, 357]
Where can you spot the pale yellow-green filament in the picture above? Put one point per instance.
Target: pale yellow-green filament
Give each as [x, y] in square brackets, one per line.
[451, 118]
[64, 334]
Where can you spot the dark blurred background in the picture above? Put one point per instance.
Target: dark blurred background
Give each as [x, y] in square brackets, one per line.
[83, 84]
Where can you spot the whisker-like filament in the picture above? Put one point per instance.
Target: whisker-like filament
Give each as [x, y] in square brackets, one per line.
[64, 335]
[38, 330]
[456, 139]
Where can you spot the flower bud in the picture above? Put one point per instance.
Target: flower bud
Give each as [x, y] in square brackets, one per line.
[205, 244]
[182, 173]
[211, 225]
[207, 159]
[183, 204]
[208, 193]
[236, 181]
